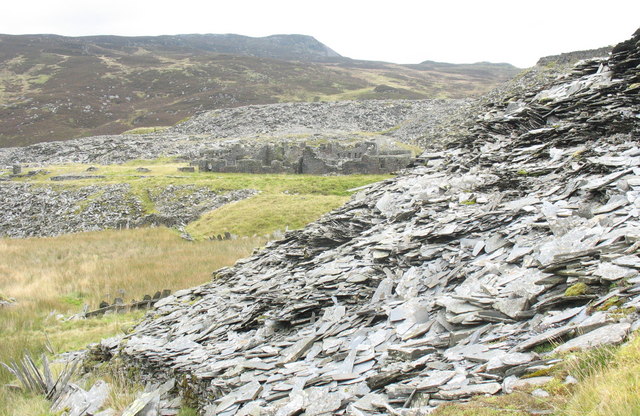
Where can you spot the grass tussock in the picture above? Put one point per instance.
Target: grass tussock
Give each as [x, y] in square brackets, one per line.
[514, 404]
[612, 384]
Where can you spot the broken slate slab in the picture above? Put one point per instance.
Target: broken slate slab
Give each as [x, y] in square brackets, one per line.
[547, 336]
[606, 335]
[612, 272]
[468, 391]
[75, 401]
[319, 400]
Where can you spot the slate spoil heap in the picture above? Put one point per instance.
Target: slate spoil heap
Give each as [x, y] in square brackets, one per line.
[434, 286]
[38, 211]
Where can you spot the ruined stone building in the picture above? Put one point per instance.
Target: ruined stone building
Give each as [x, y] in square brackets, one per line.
[302, 157]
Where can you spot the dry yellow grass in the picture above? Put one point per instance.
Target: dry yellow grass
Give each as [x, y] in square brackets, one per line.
[51, 276]
[613, 389]
[64, 272]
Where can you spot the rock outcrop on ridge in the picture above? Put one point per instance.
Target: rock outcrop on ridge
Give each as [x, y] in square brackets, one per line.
[437, 285]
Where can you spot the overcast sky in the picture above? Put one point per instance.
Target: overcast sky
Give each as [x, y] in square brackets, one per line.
[401, 31]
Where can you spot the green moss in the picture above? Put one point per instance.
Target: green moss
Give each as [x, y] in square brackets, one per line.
[522, 172]
[577, 289]
[622, 312]
[542, 348]
[540, 373]
[610, 303]
[74, 299]
[188, 411]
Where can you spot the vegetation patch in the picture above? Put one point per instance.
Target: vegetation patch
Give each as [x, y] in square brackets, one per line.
[608, 381]
[577, 289]
[264, 214]
[146, 130]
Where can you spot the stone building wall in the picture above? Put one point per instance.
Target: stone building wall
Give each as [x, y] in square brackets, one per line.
[299, 157]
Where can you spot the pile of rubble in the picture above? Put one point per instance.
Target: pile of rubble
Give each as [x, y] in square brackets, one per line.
[416, 122]
[310, 119]
[37, 211]
[449, 281]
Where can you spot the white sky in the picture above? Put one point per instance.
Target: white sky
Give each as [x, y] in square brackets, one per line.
[401, 31]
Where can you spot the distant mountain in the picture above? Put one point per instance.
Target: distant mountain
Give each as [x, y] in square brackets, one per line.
[287, 47]
[480, 69]
[56, 88]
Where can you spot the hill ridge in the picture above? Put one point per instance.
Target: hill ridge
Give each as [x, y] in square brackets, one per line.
[60, 88]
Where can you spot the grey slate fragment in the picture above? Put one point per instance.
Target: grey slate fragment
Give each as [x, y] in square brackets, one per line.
[468, 391]
[608, 335]
[627, 261]
[501, 362]
[612, 272]
[146, 404]
[547, 336]
[435, 379]
[296, 350]
[319, 400]
[293, 407]
[77, 402]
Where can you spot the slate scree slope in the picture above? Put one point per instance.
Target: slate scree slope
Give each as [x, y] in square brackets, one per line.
[436, 285]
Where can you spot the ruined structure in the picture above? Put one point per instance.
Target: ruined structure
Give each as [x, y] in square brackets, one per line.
[380, 156]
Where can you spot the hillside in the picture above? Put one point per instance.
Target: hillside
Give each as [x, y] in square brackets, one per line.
[59, 88]
[480, 273]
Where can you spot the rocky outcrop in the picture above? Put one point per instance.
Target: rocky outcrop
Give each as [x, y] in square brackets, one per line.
[569, 58]
[37, 211]
[437, 285]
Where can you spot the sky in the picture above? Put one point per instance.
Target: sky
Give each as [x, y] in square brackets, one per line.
[400, 31]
